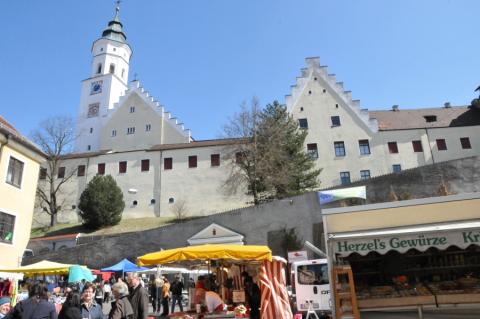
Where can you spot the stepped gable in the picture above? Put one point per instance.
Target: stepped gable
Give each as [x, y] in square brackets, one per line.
[315, 70]
[135, 87]
[417, 118]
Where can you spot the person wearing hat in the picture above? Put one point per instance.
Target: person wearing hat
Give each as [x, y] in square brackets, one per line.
[4, 306]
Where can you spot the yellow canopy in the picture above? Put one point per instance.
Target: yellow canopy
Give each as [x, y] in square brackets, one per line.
[43, 267]
[207, 252]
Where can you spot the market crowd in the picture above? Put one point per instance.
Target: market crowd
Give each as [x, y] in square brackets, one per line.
[86, 299]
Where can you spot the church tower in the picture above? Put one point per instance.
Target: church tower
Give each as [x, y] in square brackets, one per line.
[107, 82]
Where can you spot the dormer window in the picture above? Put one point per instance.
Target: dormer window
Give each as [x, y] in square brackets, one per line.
[112, 68]
[99, 68]
[430, 118]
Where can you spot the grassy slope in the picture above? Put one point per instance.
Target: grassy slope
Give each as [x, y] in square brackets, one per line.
[128, 225]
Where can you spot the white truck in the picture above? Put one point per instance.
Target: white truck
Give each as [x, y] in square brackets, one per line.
[311, 284]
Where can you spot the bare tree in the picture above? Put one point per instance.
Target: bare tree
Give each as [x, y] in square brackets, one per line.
[180, 209]
[55, 137]
[270, 156]
[244, 155]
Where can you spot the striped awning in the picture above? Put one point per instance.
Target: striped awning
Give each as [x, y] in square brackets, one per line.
[275, 303]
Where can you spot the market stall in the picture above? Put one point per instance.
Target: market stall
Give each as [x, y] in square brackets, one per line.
[228, 263]
[422, 253]
[43, 267]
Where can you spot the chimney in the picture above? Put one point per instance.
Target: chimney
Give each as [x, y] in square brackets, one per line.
[447, 105]
[395, 108]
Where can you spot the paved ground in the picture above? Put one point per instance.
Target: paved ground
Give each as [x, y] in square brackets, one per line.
[427, 314]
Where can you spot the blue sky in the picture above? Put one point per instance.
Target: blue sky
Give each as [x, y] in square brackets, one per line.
[202, 58]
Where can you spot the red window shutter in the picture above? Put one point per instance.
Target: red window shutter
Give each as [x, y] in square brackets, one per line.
[441, 144]
[417, 146]
[167, 163]
[101, 169]
[145, 165]
[215, 159]
[61, 172]
[43, 173]
[392, 147]
[192, 161]
[122, 167]
[81, 170]
[465, 143]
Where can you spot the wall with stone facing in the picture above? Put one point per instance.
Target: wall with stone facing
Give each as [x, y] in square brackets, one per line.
[260, 223]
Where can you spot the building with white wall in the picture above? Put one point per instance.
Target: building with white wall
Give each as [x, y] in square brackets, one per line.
[20, 162]
[123, 131]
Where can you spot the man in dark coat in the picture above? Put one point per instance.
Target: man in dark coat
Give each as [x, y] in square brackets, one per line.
[35, 307]
[138, 297]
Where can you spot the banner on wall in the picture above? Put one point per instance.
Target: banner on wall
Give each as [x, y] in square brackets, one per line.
[325, 197]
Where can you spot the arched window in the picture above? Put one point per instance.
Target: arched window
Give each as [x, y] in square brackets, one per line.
[112, 68]
[99, 68]
[123, 73]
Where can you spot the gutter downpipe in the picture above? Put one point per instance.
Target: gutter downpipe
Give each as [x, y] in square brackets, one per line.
[7, 139]
[429, 146]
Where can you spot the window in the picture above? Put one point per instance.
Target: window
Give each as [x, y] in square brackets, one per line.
[152, 201]
[345, 178]
[101, 169]
[91, 130]
[123, 73]
[132, 109]
[365, 174]
[315, 274]
[148, 127]
[43, 173]
[312, 150]
[81, 170]
[15, 172]
[122, 167]
[392, 147]
[134, 203]
[430, 118]
[192, 161]
[239, 157]
[167, 163]
[397, 168]
[89, 147]
[465, 141]
[7, 225]
[99, 68]
[61, 172]
[303, 123]
[114, 133]
[145, 165]
[171, 200]
[417, 146]
[131, 130]
[215, 160]
[441, 144]
[364, 147]
[112, 68]
[339, 149]
[335, 120]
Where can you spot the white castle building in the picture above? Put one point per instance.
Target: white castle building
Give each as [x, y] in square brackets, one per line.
[123, 131]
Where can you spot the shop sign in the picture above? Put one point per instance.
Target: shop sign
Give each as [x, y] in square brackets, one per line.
[403, 243]
[300, 255]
